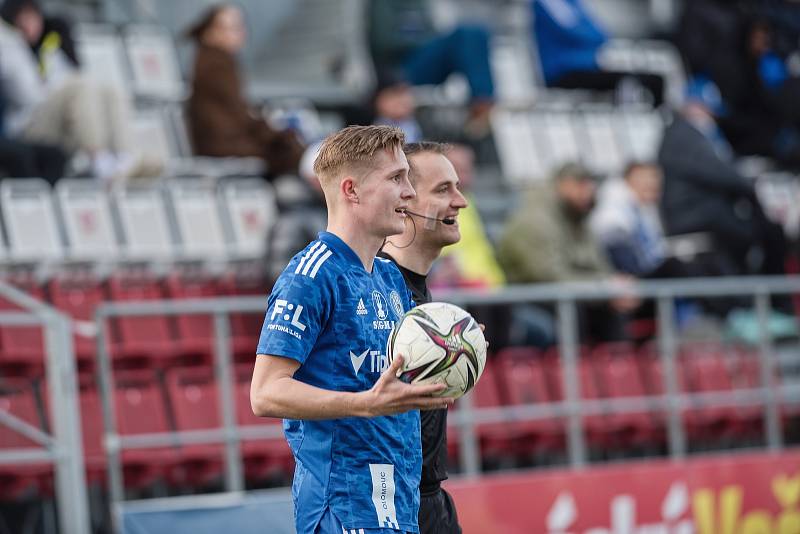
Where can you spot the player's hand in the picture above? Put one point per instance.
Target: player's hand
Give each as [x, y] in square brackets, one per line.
[483, 329]
[390, 395]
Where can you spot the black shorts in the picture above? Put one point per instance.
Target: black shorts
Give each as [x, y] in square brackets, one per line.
[437, 514]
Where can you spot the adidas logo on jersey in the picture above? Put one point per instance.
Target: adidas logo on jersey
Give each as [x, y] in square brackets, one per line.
[361, 309]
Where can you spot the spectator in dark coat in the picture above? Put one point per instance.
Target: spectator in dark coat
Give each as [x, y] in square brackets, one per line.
[221, 121]
[703, 191]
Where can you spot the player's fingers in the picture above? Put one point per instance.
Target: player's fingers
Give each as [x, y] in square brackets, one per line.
[425, 389]
[393, 371]
[482, 327]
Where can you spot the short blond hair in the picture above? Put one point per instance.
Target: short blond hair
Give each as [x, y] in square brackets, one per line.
[351, 148]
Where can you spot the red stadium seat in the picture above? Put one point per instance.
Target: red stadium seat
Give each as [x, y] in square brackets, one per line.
[596, 425]
[703, 423]
[497, 440]
[194, 398]
[523, 382]
[710, 368]
[22, 350]
[619, 376]
[79, 295]
[141, 409]
[195, 332]
[263, 458]
[17, 480]
[246, 327]
[140, 341]
[92, 428]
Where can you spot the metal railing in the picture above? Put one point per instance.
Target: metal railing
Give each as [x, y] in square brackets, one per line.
[64, 448]
[573, 407]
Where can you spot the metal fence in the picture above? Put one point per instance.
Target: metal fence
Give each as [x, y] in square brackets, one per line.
[573, 407]
[64, 447]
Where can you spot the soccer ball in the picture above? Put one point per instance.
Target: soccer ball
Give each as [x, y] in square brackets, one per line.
[440, 343]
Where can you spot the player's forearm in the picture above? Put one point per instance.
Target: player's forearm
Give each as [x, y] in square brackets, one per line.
[288, 398]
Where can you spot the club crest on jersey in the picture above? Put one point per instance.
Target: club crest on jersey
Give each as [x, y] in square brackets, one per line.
[379, 303]
[397, 303]
[381, 308]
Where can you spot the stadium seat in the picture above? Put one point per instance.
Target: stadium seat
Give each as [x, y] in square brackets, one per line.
[17, 398]
[596, 426]
[30, 222]
[194, 398]
[250, 210]
[101, 54]
[264, 459]
[141, 408]
[246, 326]
[512, 69]
[201, 236]
[641, 131]
[144, 340]
[521, 157]
[146, 230]
[554, 130]
[707, 368]
[195, 332]
[154, 65]
[94, 455]
[498, 441]
[88, 221]
[703, 424]
[22, 349]
[78, 294]
[523, 382]
[598, 137]
[619, 376]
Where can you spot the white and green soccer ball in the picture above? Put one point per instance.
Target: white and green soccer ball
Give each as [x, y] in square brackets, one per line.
[440, 343]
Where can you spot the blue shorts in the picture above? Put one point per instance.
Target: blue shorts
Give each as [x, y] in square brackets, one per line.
[330, 525]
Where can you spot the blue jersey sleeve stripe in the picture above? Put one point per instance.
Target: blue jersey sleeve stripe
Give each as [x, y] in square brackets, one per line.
[324, 257]
[313, 258]
[306, 255]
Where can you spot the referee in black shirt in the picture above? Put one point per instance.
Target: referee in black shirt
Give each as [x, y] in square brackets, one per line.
[432, 224]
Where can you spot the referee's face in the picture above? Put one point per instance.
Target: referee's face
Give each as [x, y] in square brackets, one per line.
[438, 197]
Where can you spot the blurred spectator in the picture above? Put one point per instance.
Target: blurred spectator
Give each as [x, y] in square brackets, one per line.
[221, 121]
[55, 34]
[627, 223]
[394, 105]
[703, 191]
[49, 102]
[569, 40]
[548, 240]
[734, 46]
[302, 214]
[402, 39]
[20, 159]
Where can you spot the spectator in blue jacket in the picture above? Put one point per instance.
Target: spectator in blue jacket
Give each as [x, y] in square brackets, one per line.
[568, 40]
[403, 40]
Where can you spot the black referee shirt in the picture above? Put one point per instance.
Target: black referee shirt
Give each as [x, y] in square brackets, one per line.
[434, 422]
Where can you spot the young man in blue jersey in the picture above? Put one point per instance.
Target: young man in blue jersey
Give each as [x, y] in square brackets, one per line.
[432, 225]
[353, 427]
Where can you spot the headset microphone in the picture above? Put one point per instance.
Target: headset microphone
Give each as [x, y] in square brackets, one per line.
[447, 221]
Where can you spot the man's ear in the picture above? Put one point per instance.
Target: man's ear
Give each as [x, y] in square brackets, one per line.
[348, 186]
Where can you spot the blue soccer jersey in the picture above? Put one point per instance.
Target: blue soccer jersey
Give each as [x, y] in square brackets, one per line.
[328, 313]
